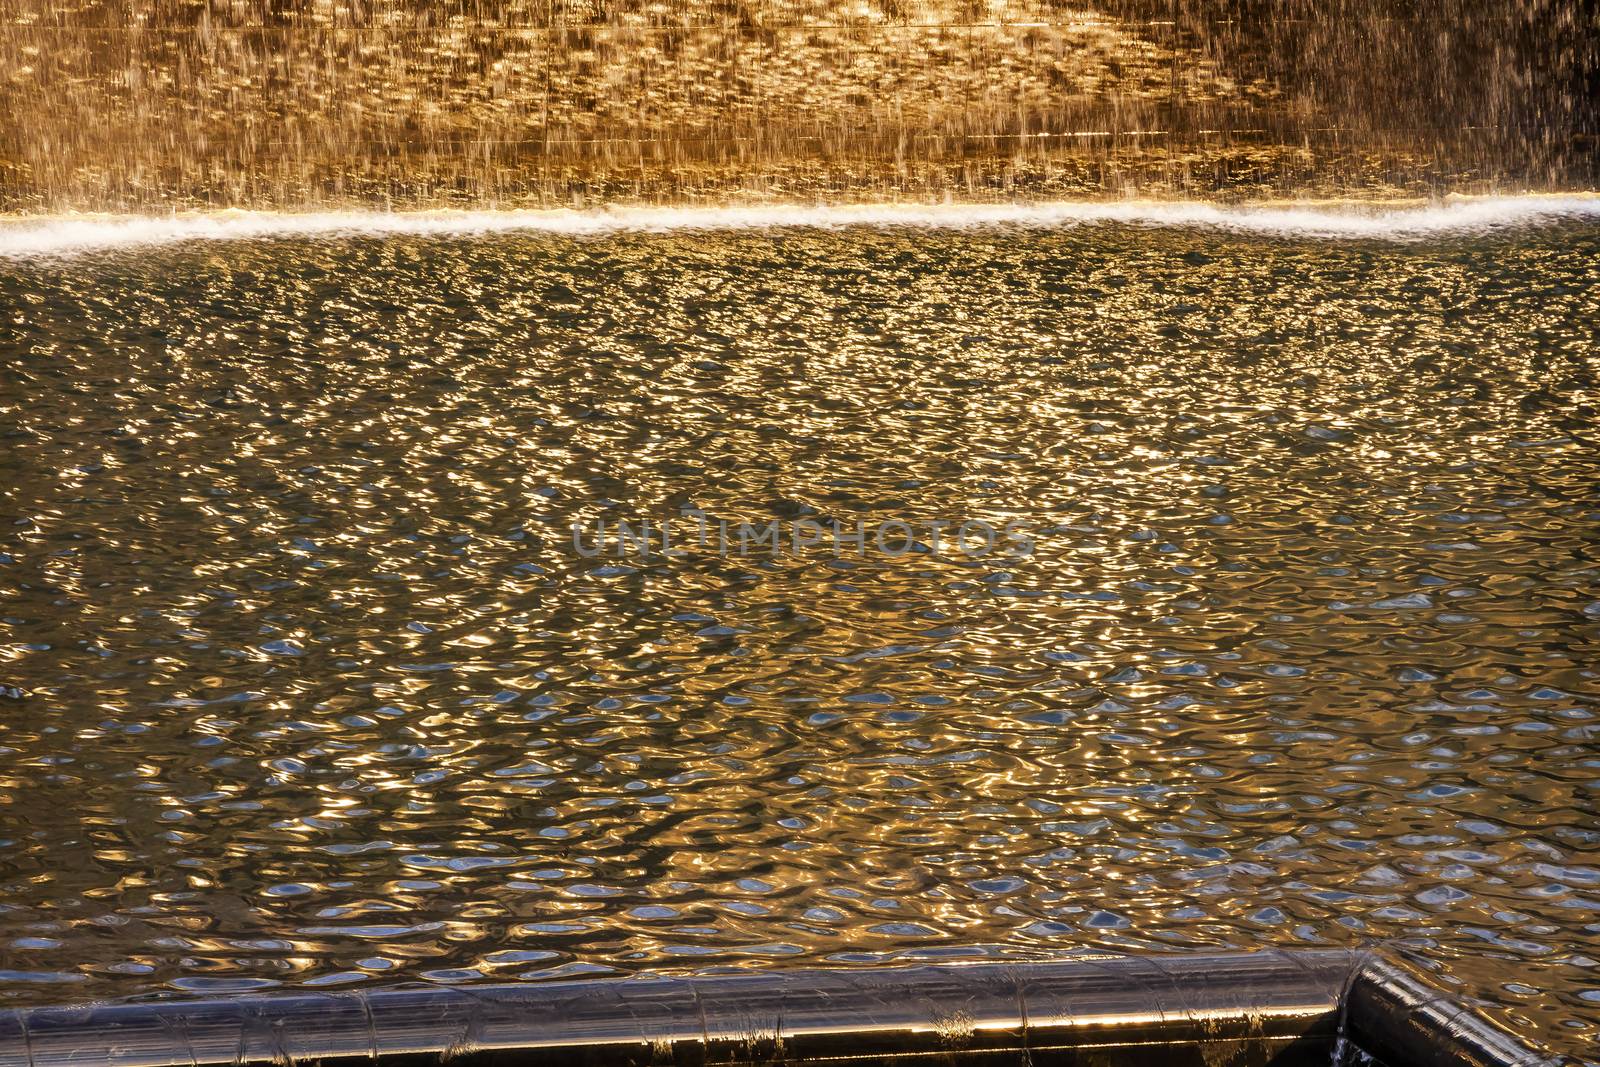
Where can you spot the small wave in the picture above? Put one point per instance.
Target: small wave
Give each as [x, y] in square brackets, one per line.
[22, 237]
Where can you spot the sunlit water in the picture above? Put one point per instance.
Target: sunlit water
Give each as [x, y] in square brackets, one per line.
[121, 105]
[314, 689]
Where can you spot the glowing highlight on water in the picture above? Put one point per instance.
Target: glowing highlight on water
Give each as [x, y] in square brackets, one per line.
[23, 237]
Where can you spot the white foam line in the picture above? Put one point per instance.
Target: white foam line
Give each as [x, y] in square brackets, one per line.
[23, 237]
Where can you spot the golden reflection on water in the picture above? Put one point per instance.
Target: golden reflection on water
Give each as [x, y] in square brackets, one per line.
[319, 693]
[288, 103]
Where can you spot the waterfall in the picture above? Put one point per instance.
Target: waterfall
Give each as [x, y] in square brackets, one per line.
[152, 104]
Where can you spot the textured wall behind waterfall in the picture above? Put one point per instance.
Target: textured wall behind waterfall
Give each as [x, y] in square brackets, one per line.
[296, 102]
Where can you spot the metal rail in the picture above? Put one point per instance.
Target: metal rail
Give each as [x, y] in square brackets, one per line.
[1287, 1009]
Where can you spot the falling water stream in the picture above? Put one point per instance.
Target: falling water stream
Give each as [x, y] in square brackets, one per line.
[294, 103]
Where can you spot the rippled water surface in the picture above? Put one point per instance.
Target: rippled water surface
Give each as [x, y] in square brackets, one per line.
[313, 687]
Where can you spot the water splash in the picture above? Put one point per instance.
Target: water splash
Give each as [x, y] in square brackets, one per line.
[26, 237]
